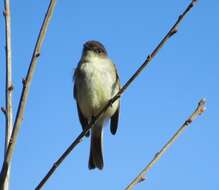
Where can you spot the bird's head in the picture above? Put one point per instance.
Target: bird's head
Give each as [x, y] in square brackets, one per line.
[94, 48]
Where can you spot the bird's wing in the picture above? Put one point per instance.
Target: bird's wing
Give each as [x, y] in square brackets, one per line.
[115, 118]
[74, 78]
[83, 120]
[114, 121]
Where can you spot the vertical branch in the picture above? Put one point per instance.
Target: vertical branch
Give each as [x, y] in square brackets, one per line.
[25, 92]
[8, 84]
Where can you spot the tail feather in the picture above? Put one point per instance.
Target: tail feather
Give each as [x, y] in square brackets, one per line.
[91, 164]
[96, 153]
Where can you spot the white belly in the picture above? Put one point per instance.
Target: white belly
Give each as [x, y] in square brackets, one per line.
[97, 87]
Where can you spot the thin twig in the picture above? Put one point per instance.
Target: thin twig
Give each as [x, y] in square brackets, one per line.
[25, 90]
[8, 85]
[199, 110]
[172, 31]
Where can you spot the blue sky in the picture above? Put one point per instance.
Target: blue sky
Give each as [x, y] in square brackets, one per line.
[152, 109]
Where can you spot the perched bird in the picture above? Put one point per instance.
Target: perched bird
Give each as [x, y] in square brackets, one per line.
[96, 82]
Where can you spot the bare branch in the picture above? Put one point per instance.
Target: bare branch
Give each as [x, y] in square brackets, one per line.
[92, 123]
[199, 110]
[8, 85]
[25, 90]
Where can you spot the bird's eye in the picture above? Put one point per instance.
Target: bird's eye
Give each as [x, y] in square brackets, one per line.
[98, 51]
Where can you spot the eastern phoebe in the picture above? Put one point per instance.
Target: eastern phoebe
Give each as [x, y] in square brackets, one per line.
[96, 82]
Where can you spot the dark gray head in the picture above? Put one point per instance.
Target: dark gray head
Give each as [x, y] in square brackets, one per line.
[95, 47]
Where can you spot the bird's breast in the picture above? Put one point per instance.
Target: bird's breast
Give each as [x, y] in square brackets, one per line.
[96, 86]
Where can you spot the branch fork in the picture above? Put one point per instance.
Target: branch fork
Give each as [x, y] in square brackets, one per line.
[11, 137]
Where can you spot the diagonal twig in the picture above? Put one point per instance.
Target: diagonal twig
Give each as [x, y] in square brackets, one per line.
[199, 110]
[8, 84]
[25, 90]
[172, 31]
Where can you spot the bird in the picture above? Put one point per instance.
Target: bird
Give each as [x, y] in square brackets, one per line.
[96, 81]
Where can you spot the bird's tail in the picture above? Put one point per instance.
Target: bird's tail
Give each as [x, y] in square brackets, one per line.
[96, 153]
